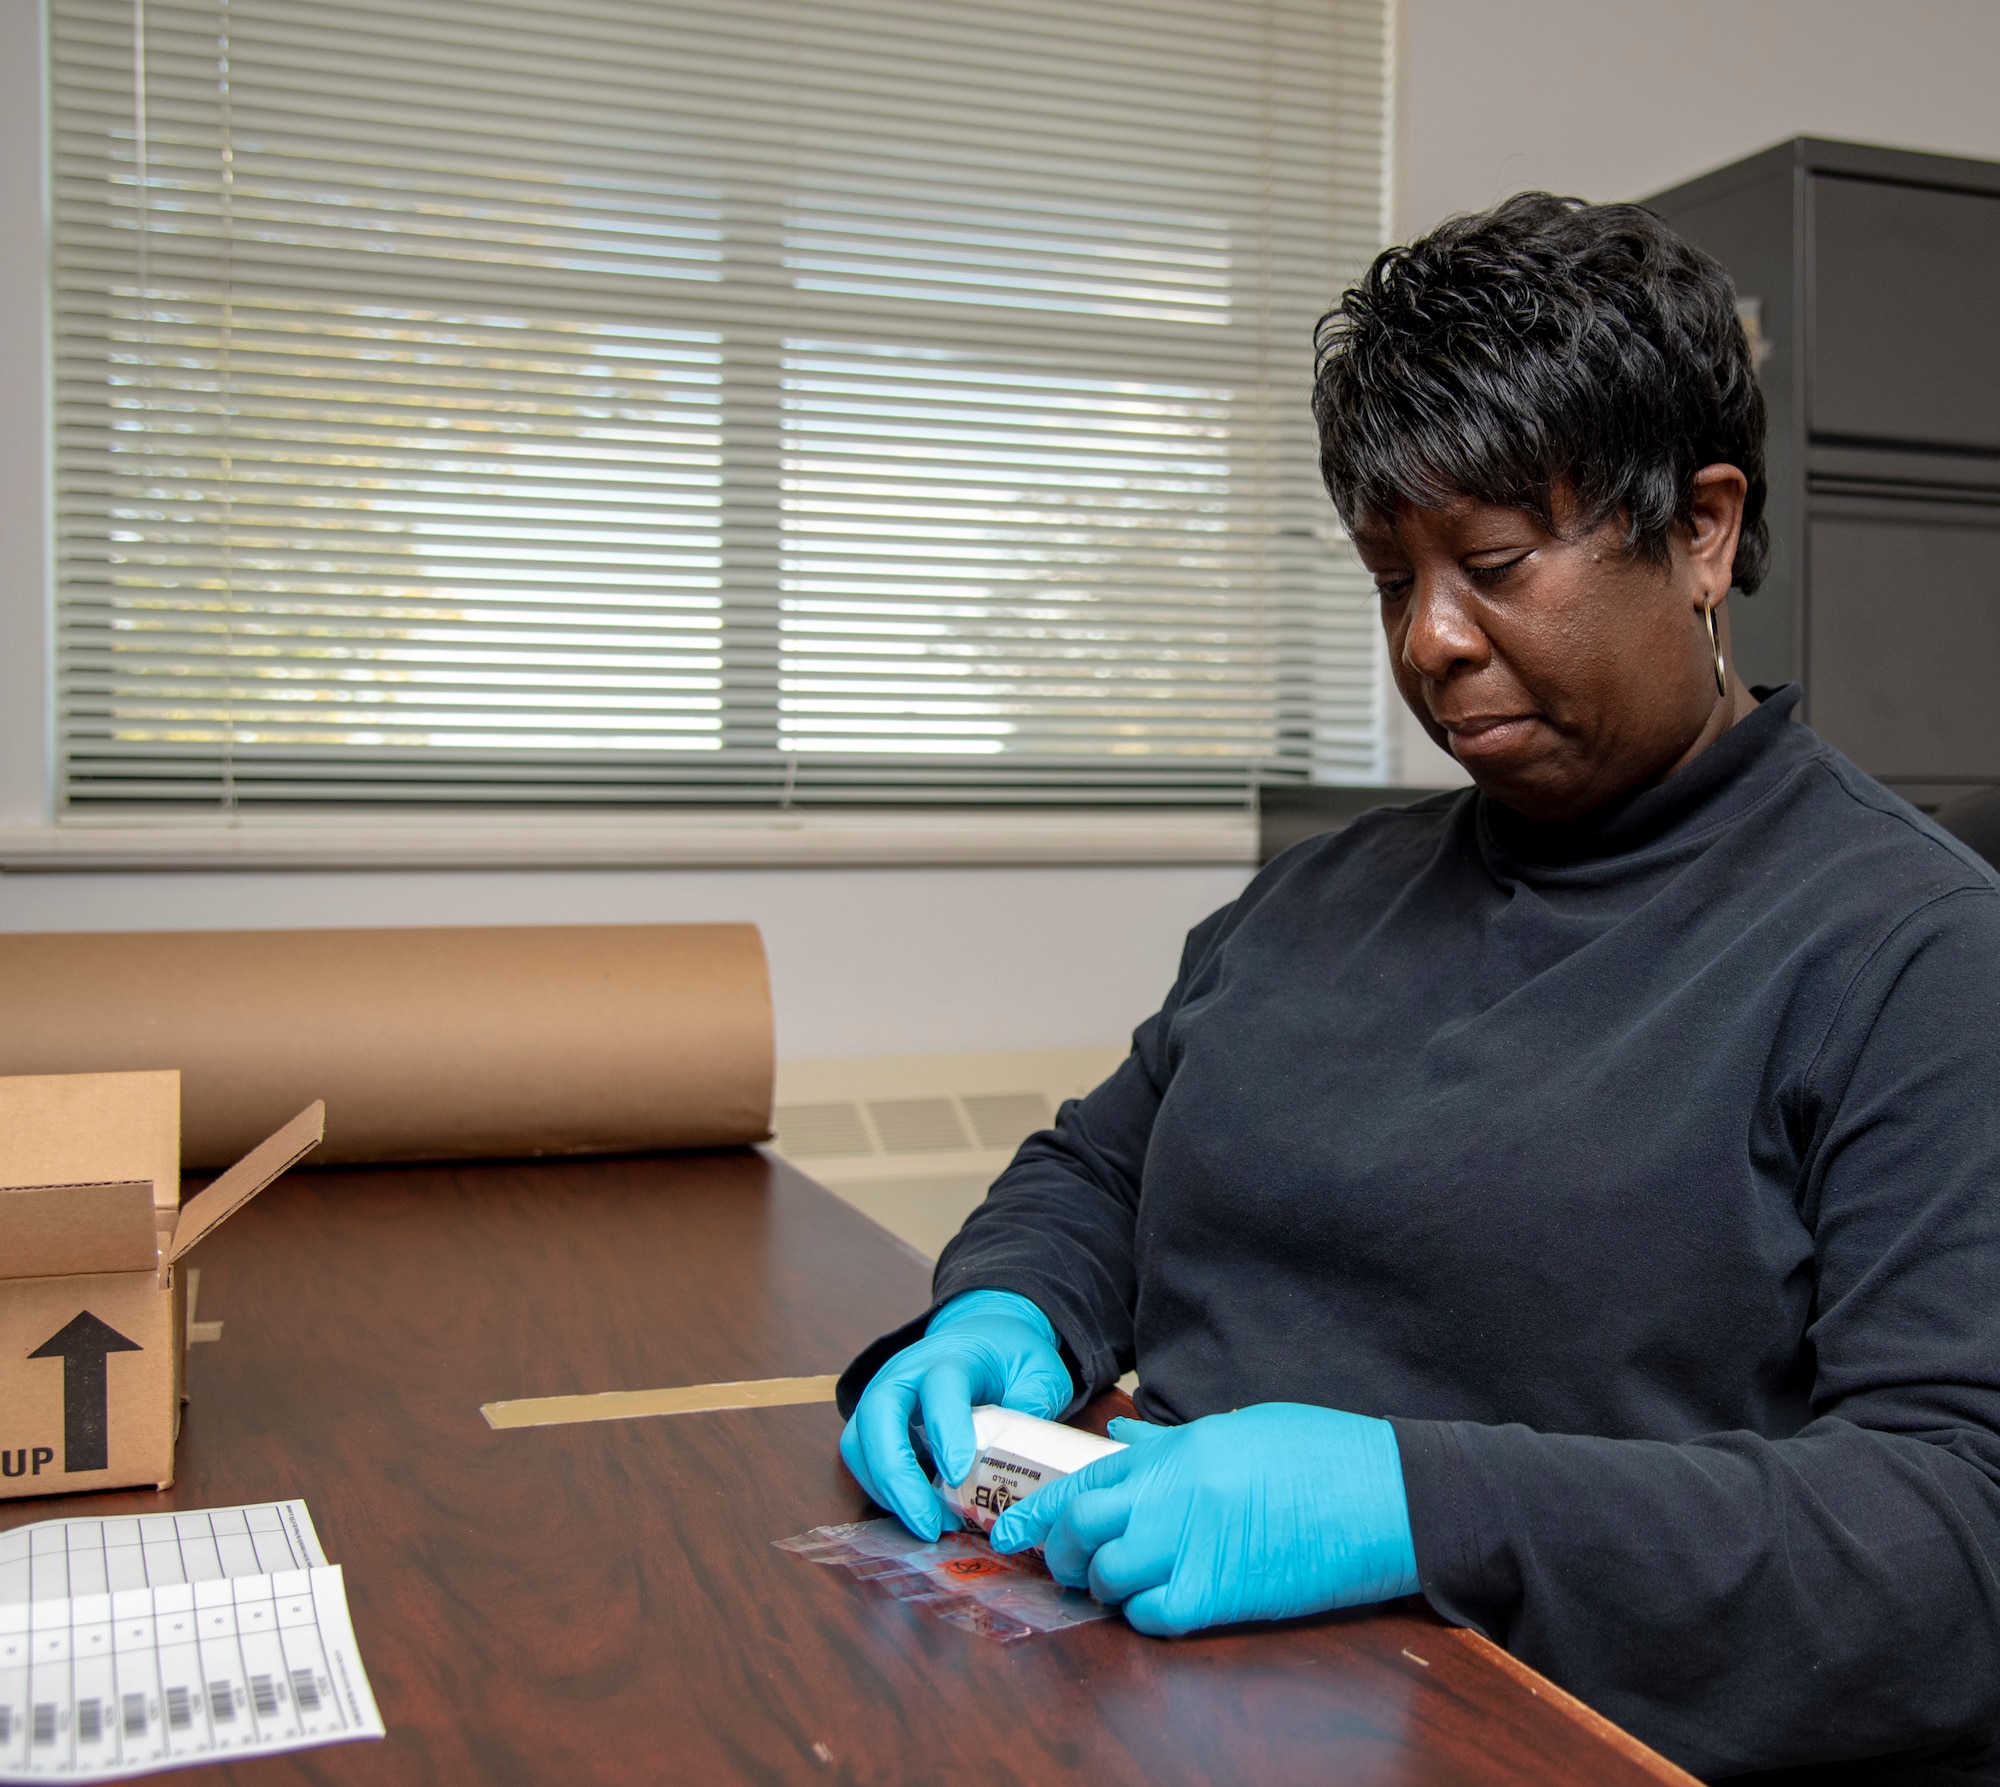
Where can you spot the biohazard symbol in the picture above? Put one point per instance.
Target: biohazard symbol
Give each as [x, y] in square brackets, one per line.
[964, 1568]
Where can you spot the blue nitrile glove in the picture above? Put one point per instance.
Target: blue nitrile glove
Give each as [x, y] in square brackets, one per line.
[1266, 1513]
[981, 1347]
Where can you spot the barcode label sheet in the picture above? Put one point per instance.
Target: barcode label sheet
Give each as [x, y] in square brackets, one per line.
[196, 1661]
[55, 1559]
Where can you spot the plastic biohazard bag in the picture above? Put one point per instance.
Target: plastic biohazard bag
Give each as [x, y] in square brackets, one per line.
[958, 1577]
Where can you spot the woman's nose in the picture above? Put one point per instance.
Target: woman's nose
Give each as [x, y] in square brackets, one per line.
[1440, 634]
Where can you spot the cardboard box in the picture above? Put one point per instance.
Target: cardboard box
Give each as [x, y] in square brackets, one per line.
[93, 1305]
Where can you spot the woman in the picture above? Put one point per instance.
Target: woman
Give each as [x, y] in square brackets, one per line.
[1574, 1197]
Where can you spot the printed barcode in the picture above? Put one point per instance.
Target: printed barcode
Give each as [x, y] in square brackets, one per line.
[135, 1715]
[180, 1709]
[221, 1703]
[45, 1723]
[264, 1691]
[305, 1690]
[89, 1721]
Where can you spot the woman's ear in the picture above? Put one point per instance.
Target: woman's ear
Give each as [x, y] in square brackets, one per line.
[1714, 524]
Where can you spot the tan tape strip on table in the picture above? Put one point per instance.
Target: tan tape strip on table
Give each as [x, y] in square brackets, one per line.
[627, 1405]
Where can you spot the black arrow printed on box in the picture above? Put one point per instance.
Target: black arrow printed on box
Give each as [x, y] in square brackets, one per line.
[83, 1345]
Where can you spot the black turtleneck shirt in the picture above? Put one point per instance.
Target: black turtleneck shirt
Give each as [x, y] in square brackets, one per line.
[1645, 1172]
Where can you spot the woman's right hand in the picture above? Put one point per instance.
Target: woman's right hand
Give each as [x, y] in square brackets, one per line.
[981, 1347]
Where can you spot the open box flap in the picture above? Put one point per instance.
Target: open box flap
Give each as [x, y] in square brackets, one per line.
[55, 1231]
[248, 1177]
[92, 1129]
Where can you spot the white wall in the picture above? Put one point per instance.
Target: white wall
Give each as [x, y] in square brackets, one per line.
[1614, 99]
[1608, 98]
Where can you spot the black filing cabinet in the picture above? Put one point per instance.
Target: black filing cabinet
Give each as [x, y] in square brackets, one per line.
[1870, 281]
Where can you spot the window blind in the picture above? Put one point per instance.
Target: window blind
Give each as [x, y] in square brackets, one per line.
[761, 402]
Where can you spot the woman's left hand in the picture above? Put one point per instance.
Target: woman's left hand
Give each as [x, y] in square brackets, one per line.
[1266, 1513]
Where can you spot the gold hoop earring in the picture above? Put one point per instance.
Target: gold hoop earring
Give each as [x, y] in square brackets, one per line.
[1715, 645]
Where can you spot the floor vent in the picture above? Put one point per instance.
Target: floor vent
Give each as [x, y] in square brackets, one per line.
[1001, 1119]
[914, 1140]
[985, 1121]
[918, 1125]
[821, 1129]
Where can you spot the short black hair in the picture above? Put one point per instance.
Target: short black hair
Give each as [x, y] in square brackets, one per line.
[1544, 345]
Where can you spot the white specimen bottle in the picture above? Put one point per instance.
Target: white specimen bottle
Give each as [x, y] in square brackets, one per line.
[1018, 1454]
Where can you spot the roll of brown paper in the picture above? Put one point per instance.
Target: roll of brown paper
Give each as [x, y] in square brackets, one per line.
[426, 1044]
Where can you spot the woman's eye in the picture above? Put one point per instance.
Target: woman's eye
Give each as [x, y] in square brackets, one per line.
[1486, 576]
[1391, 589]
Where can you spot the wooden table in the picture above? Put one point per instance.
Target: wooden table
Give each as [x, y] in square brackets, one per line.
[602, 1602]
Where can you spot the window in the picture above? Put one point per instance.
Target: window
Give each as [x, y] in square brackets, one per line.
[635, 402]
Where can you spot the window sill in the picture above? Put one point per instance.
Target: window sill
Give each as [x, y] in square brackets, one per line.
[570, 841]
